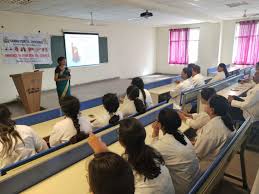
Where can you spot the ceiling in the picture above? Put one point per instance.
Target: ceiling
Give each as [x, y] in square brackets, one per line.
[166, 12]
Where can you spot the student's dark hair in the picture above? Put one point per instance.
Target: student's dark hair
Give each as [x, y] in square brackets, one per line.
[222, 65]
[207, 93]
[109, 173]
[137, 81]
[222, 108]
[133, 94]
[196, 68]
[188, 72]
[111, 104]
[70, 106]
[171, 122]
[257, 66]
[7, 132]
[144, 159]
[190, 66]
[60, 59]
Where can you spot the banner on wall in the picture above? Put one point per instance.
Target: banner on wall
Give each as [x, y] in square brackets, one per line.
[24, 49]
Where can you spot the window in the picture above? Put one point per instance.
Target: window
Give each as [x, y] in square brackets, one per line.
[184, 45]
[246, 43]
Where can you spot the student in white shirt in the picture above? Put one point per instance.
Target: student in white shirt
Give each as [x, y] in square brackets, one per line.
[252, 74]
[73, 127]
[250, 103]
[197, 78]
[144, 94]
[134, 104]
[221, 74]
[198, 120]
[113, 116]
[212, 137]
[186, 84]
[151, 174]
[17, 142]
[109, 173]
[177, 151]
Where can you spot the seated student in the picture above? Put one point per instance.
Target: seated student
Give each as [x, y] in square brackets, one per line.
[109, 173]
[222, 73]
[134, 104]
[17, 142]
[151, 174]
[197, 78]
[198, 120]
[113, 116]
[177, 151]
[252, 74]
[73, 127]
[186, 84]
[144, 94]
[249, 104]
[216, 132]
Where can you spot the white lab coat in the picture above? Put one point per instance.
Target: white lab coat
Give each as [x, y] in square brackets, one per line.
[31, 145]
[218, 77]
[250, 105]
[198, 120]
[181, 87]
[159, 185]
[181, 160]
[198, 80]
[127, 108]
[210, 139]
[149, 101]
[103, 120]
[64, 130]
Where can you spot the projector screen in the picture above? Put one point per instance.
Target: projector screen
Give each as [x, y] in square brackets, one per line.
[81, 49]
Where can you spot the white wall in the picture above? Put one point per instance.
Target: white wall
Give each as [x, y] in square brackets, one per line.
[208, 47]
[131, 50]
[227, 40]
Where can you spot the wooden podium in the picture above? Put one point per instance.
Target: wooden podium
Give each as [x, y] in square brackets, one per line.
[28, 85]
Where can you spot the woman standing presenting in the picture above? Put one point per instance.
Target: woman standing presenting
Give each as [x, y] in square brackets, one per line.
[62, 78]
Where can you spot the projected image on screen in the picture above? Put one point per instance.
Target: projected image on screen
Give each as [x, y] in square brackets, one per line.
[81, 49]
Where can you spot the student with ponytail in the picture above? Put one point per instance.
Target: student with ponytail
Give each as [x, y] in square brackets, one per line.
[216, 132]
[151, 174]
[113, 116]
[73, 127]
[134, 104]
[144, 94]
[17, 142]
[176, 149]
[221, 74]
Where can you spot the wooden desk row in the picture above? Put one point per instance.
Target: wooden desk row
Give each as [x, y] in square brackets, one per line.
[75, 175]
[162, 93]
